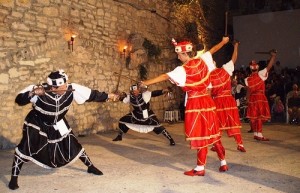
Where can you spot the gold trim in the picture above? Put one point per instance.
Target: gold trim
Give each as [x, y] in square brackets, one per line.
[200, 82]
[203, 138]
[200, 110]
[227, 108]
[197, 96]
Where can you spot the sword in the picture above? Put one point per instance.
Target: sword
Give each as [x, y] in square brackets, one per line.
[42, 91]
[66, 90]
[226, 22]
[141, 87]
[118, 74]
[262, 53]
[273, 50]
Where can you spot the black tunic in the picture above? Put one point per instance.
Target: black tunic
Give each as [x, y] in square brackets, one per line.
[142, 119]
[47, 137]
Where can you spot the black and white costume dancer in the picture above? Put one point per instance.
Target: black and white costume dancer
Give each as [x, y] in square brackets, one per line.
[142, 119]
[47, 139]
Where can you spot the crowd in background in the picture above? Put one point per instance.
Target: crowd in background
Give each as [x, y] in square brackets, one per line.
[281, 90]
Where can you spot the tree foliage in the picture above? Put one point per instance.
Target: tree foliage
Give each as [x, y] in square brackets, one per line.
[151, 48]
[204, 22]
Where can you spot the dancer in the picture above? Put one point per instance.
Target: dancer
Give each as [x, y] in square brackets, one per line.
[201, 126]
[48, 140]
[142, 119]
[258, 109]
[227, 111]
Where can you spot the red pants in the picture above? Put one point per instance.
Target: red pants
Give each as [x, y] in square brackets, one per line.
[202, 153]
[238, 139]
[256, 125]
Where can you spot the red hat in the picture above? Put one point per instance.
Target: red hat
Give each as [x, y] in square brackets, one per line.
[253, 65]
[184, 46]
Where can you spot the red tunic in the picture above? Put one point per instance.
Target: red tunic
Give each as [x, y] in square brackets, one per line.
[227, 111]
[258, 106]
[201, 126]
[200, 115]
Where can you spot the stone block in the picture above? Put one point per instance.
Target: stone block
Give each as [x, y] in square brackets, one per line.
[50, 11]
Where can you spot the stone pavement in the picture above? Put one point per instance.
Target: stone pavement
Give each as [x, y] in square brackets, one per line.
[145, 163]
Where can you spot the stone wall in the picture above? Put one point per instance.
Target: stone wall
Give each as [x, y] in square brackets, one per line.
[35, 37]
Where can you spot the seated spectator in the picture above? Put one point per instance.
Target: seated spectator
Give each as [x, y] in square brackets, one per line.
[277, 110]
[293, 104]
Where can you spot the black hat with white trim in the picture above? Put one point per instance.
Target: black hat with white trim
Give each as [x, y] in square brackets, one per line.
[57, 78]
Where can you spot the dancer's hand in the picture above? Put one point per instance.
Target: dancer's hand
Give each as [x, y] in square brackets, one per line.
[122, 96]
[113, 97]
[37, 90]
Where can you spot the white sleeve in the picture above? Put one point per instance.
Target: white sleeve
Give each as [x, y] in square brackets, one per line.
[246, 81]
[178, 76]
[229, 67]
[210, 85]
[81, 93]
[28, 89]
[146, 96]
[126, 99]
[239, 88]
[207, 58]
[263, 74]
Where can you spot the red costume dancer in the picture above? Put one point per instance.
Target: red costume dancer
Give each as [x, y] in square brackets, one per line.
[227, 111]
[201, 127]
[258, 109]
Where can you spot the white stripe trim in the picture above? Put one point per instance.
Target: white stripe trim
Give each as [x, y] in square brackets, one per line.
[43, 165]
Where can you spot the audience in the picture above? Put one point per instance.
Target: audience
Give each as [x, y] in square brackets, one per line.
[279, 88]
[293, 105]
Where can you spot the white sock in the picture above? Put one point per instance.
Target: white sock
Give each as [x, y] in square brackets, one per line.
[259, 135]
[199, 168]
[223, 162]
[255, 133]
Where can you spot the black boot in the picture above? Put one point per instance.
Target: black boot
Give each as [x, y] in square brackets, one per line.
[16, 168]
[119, 137]
[172, 142]
[92, 169]
[168, 136]
[13, 184]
